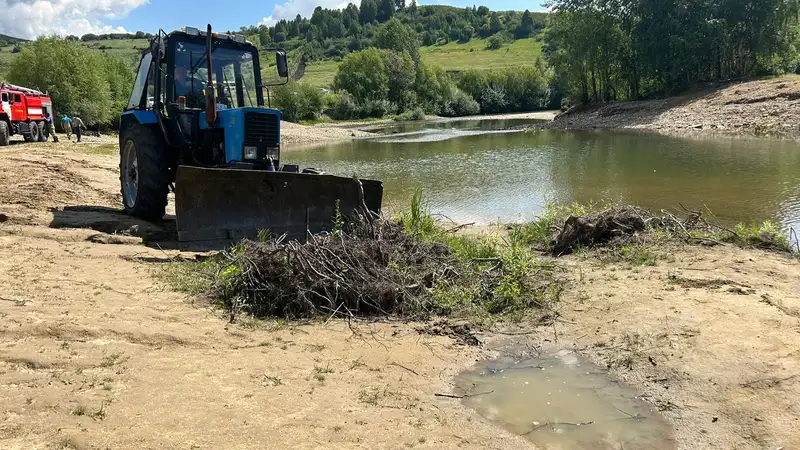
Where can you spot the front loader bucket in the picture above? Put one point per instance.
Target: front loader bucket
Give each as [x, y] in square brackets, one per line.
[218, 207]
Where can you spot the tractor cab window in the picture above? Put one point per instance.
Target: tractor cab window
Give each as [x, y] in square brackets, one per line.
[234, 75]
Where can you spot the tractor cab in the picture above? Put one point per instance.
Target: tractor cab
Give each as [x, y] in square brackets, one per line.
[205, 92]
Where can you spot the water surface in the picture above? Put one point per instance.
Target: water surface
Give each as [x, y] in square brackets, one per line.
[562, 402]
[486, 171]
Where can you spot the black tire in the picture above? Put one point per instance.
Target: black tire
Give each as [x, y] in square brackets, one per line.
[148, 201]
[33, 131]
[28, 135]
[42, 132]
[5, 137]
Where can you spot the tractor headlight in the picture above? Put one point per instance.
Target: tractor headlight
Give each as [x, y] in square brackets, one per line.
[250, 152]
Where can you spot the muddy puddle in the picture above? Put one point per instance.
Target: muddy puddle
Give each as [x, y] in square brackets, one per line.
[563, 402]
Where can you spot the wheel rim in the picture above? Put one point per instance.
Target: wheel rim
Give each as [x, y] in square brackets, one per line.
[130, 174]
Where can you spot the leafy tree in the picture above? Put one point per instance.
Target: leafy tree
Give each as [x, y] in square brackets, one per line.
[494, 24]
[264, 39]
[385, 10]
[298, 101]
[525, 28]
[401, 74]
[363, 75]
[397, 36]
[368, 11]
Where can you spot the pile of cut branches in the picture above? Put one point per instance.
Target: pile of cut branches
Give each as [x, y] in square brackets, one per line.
[374, 267]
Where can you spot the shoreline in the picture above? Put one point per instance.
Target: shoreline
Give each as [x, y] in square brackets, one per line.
[298, 136]
[766, 108]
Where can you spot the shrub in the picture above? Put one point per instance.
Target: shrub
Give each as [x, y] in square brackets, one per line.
[363, 74]
[494, 99]
[462, 104]
[495, 42]
[298, 101]
[378, 108]
[345, 108]
[411, 115]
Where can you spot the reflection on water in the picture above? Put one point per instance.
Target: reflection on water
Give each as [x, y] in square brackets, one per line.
[487, 171]
[562, 402]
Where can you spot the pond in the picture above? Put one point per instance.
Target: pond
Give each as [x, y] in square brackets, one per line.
[485, 171]
[560, 401]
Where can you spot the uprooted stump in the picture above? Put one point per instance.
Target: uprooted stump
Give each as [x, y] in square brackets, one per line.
[589, 231]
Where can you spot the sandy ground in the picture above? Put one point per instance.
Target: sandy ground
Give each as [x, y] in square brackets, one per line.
[765, 108]
[97, 352]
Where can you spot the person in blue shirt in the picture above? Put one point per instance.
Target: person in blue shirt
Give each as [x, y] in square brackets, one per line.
[66, 125]
[48, 127]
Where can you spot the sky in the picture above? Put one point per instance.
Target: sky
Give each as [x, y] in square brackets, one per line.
[30, 18]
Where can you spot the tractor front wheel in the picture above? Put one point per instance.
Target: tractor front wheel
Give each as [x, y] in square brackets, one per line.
[144, 173]
[4, 134]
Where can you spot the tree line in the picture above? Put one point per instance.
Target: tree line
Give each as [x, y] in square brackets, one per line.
[93, 85]
[333, 33]
[391, 79]
[606, 50]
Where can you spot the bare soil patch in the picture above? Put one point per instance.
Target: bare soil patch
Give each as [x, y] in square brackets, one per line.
[96, 351]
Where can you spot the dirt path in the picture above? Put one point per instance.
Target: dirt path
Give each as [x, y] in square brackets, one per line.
[764, 108]
[97, 352]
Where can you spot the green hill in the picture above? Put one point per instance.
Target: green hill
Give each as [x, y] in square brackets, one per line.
[127, 49]
[453, 57]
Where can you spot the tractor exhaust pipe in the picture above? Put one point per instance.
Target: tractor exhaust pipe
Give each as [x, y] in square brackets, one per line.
[211, 98]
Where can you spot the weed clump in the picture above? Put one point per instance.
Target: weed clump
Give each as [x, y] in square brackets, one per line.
[566, 229]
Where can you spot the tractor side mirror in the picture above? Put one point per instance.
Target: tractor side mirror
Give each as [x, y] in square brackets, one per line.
[283, 66]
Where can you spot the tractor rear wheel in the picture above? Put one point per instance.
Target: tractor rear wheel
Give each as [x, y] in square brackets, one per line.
[4, 134]
[42, 132]
[144, 173]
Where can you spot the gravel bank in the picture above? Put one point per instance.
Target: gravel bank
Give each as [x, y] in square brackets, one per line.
[296, 135]
[763, 108]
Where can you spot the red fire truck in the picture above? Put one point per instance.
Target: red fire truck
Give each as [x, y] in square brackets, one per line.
[22, 112]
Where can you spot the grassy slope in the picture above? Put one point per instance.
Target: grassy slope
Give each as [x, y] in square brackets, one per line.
[453, 56]
[128, 49]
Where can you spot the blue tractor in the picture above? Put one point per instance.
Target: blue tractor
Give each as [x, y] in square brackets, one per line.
[197, 123]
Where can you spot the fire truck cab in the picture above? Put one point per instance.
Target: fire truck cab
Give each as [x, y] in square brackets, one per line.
[22, 112]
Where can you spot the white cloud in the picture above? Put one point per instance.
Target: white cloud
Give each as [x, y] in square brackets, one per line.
[305, 8]
[31, 18]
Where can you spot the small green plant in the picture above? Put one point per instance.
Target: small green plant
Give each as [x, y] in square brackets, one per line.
[418, 221]
[338, 219]
[264, 235]
[79, 410]
[764, 235]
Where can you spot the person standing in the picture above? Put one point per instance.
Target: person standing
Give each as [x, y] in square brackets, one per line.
[48, 126]
[77, 127]
[66, 125]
